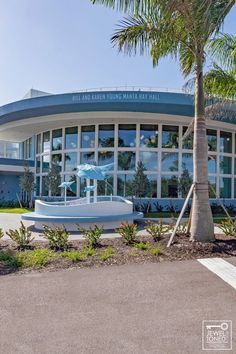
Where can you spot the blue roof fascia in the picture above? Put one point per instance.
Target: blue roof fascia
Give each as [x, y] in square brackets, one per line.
[133, 101]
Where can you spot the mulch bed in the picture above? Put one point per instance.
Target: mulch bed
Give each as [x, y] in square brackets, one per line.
[181, 249]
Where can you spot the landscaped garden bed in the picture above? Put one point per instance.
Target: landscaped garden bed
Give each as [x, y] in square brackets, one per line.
[96, 252]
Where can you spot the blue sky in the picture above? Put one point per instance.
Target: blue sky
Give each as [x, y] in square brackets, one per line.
[64, 45]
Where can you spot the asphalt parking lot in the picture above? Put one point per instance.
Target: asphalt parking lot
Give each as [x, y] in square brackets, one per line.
[137, 308]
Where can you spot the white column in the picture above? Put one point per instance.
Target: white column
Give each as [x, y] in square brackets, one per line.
[88, 191]
[95, 193]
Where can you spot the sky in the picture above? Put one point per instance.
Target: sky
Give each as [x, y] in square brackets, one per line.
[62, 46]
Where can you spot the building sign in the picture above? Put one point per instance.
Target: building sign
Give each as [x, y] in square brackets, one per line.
[116, 96]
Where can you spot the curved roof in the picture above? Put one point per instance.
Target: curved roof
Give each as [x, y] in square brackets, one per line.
[129, 101]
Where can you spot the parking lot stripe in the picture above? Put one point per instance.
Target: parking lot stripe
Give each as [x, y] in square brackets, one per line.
[223, 269]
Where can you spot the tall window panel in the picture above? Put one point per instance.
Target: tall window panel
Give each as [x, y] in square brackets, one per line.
[88, 136]
[106, 135]
[71, 138]
[127, 135]
[149, 135]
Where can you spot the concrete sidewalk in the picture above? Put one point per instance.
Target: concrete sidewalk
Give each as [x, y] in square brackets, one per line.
[131, 309]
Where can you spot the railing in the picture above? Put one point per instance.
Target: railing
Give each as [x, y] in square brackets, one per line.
[132, 88]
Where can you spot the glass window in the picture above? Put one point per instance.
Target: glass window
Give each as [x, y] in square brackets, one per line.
[235, 166]
[45, 163]
[46, 142]
[127, 135]
[57, 160]
[225, 187]
[212, 184]
[106, 135]
[126, 160]
[2, 149]
[56, 139]
[38, 144]
[88, 136]
[106, 187]
[71, 161]
[37, 186]
[87, 157]
[149, 159]
[44, 187]
[234, 187]
[225, 142]
[187, 162]
[169, 161]
[169, 187]
[38, 164]
[73, 187]
[12, 150]
[82, 187]
[71, 138]
[125, 185]
[170, 136]
[149, 135]
[212, 139]
[105, 157]
[152, 193]
[225, 165]
[187, 143]
[212, 163]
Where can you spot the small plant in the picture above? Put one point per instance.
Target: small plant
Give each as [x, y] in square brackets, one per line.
[181, 229]
[108, 253]
[92, 235]
[1, 233]
[8, 258]
[35, 259]
[156, 251]
[22, 237]
[228, 227]
[73, 256]
[144, 246]
[58, 238]
[156, 230]
[86, 252]
[159, 208]
[128, 232]
[133, 254]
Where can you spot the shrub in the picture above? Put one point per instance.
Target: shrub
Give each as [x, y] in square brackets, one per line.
[35, 259]
[58, 238]
[144, 246]
[22, 237]
[86, 252]
[9, 258]
[1, 233]
[108, 253]
[92, 235]
[156, 251]
[228, 227]
[181, 229]
[73, 256]
[156, 230]
[128, 232]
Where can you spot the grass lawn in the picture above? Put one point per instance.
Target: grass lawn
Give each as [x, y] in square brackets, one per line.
[15, 210]
[217, 217]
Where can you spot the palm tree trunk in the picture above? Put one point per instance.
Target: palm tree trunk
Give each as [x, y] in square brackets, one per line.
[202, 227]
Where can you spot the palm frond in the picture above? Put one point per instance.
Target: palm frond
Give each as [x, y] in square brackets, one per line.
[130, 6]
[220, 83]
[223, 49]
[146, 34]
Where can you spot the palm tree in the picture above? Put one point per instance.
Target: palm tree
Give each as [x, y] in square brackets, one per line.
[182, 29]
